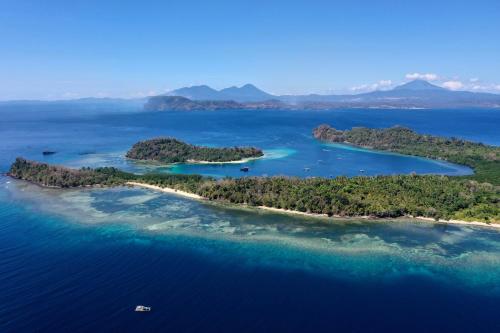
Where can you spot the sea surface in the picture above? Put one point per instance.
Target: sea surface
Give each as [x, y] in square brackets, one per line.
[80, 260]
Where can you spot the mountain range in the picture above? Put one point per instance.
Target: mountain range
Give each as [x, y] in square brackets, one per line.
[246, 93]
[414, 94]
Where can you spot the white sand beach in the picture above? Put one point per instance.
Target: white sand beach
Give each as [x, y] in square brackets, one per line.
[294, 212]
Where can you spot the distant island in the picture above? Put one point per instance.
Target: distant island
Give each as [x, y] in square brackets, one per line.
[178, 103]
[171, 150]
[416, 94]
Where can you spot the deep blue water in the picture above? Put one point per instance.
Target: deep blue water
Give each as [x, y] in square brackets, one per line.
[79, 261]
[83, 140]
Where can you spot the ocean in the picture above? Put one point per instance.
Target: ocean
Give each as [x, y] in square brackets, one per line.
[81, 260]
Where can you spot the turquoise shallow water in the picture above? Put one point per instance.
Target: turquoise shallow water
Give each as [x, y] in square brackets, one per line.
[360, 248]
[97, 253]
[80, 260]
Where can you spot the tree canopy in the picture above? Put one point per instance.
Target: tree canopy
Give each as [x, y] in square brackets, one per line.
[171, 150]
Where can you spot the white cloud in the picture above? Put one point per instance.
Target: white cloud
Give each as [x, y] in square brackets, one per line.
[384, 83]
[142, 94]
[370, 87]
[474, 79]
[362, 87]
[421, 76]
[453, 85]
[482, 87]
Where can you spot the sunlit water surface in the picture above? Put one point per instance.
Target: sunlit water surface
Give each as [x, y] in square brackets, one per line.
[80, 260]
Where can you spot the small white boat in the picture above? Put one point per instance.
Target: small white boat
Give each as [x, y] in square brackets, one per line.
[142, 308]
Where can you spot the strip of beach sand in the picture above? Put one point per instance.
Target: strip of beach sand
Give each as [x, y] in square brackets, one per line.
[294, 212]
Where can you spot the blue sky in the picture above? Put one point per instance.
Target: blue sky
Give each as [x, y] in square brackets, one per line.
[68, 49]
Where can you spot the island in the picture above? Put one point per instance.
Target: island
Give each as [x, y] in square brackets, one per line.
[435, 197]
[484, 159]
[171, 150]
[179, 103]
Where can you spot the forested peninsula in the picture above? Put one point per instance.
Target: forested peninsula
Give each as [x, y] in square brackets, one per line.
[437, 197]
[171, 150]
[484, 159]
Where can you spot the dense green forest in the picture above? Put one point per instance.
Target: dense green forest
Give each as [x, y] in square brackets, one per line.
[382, 196]
[57, 176]
[170, 150]
[484, 159]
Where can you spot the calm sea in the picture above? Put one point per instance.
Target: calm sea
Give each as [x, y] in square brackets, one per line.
[80, 260]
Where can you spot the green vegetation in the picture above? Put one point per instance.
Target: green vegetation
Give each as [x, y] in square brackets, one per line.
[470, 198]
[383, 196]
[170, 150]
[484, 159]
[56, 176]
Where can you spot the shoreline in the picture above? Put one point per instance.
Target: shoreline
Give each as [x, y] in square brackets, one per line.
[244, 160]
[161, 164]
[458, 222]
[295, 212]
[166, 190]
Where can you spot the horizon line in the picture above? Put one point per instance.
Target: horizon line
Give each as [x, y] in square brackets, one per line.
[145, 96]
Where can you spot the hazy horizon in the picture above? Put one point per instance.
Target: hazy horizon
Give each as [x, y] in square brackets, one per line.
[384, 88]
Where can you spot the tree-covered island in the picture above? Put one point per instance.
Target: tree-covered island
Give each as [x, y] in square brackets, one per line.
[171, 150]
[484, 159]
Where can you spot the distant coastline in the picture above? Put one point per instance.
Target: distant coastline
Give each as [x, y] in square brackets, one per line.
[413, 95]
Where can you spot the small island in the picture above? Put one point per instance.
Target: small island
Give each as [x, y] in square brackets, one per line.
[171, 150]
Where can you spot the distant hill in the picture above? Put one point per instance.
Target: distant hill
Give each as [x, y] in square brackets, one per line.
[202, 93]
[418, 85]
[414, 94]
[246, 93]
